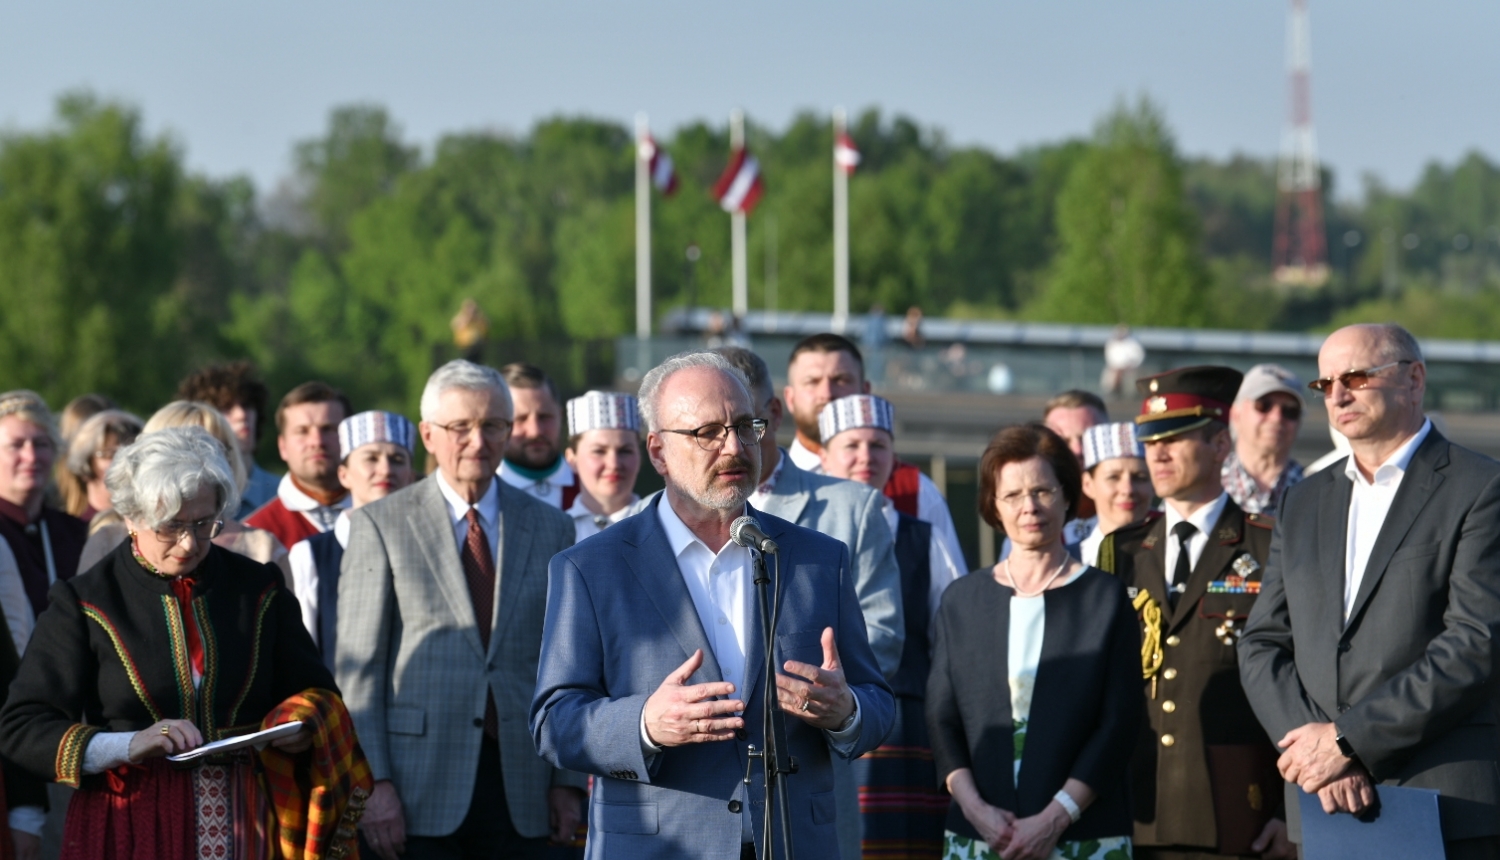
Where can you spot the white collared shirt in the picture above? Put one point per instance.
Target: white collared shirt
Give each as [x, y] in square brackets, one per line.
[943, 570]
[719, 582]
[1088, 548]
[1368, 505]
[548, 489]
[1204, 519]
[458, 513]
[586, 523]
[767, 486]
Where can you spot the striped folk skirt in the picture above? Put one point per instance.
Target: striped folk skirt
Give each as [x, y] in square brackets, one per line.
[901, 810]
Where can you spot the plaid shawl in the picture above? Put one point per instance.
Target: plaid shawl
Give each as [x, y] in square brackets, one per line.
[319, 795]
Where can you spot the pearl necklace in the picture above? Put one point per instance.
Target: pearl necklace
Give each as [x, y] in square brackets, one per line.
[1017, 589]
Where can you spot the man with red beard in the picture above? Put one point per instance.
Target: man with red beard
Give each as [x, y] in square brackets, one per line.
[533, 457]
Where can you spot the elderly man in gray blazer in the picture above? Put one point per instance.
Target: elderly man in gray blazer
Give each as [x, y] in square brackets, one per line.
[441, 598]
[1371, 651]
[652, 672]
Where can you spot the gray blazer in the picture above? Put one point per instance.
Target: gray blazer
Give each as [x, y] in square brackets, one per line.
[1409, 679]
[619, 619]
[409, 660]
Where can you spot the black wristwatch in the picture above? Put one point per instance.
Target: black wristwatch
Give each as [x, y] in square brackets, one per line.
[1344, 746]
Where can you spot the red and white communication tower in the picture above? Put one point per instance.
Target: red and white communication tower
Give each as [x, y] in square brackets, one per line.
[1300, 255]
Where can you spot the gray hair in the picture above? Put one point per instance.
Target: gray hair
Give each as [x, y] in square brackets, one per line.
[466, 375]
[90, 436]
[152, 478]
[1398, 344]
[757, 373]
[657, 376]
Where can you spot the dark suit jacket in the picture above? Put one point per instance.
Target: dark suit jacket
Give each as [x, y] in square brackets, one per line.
[1408, 679]
[619, 619]
[1085, 709]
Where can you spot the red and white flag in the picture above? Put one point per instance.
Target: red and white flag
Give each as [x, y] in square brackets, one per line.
[740, 186]
[659, 163]
[845, 155]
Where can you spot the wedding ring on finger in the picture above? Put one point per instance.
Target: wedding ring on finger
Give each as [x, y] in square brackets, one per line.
[166, 730]
[804, 706]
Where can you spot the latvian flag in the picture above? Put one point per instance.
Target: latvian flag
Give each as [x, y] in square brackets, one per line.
[663, 174]
[740, 187]
[844, 153]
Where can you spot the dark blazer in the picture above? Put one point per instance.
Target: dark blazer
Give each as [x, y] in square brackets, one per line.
[619, 619]
[1409, 678]
[1085, 711]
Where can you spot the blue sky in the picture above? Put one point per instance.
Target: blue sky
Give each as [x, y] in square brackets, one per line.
[1394, 85]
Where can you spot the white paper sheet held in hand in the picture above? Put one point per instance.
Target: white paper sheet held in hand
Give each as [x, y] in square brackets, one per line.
[254, 739]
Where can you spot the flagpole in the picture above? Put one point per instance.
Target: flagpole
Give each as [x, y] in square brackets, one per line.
[741, 295]
[642, 228]
[840, 230]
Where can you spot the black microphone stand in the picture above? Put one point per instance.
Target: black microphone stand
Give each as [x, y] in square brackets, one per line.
[775, 760]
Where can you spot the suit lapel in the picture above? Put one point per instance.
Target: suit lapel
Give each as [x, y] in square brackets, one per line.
[1223, 542]
[1333, 522]
[1150, 566]
[431, 523]
[655, 567]
[517, 528]
[790, 495]
[1423, 476]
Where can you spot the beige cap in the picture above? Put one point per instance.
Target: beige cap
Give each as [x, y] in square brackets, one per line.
[1263, 379]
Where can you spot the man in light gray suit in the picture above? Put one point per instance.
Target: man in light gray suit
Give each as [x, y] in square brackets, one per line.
[438, 644]
[652, 670]
[1371, 651]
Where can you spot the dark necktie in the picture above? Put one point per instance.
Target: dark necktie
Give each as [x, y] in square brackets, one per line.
[1184, 532]
[479, 572]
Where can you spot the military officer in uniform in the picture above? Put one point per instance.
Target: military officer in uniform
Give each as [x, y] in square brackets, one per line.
[1204, 773]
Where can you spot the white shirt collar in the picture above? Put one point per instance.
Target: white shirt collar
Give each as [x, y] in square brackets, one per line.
[293, 499]
[1394, 465]
[579, 509]
[679, 536]
[341, 528]
[560, 476]
[1202, 519]
[458, 509]
[804, 459]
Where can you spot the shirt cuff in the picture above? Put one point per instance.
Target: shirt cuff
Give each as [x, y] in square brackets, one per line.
[107, 750]
[844, 739]
[648, 749]
[28, 819]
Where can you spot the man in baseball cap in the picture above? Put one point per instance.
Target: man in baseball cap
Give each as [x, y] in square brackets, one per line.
[1265, 418]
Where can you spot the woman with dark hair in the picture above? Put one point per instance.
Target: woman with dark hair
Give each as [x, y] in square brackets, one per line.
[1034, 698]
[168, 643]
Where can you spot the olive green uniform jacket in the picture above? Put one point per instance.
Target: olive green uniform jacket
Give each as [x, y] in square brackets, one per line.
[1196, 708]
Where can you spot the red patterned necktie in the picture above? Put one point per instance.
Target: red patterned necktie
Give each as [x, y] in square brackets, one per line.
[479, 572]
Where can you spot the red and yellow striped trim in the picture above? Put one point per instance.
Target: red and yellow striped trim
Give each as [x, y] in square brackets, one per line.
[126, 661]
[69, 763]
[260, 621]
[182, 667]
[210, 668]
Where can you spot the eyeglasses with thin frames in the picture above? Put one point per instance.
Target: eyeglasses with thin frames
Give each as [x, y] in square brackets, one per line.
[173, 532]
[492, 429]
[711, 437]
[1354, 380]
[1045, 497]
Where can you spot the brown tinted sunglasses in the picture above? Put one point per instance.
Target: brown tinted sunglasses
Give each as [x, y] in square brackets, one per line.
[1354, 380]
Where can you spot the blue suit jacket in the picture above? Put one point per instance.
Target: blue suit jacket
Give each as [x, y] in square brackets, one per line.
[619, 619]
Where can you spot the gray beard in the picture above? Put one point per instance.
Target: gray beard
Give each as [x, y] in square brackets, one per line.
[729, 499]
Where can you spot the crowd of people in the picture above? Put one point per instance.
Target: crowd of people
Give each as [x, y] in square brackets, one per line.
[508, 653]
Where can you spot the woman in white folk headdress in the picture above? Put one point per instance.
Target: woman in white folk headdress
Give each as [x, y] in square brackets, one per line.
[1116, 478]
[604, 450]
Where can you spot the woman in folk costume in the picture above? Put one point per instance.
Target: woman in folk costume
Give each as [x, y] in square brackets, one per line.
[901, 810]
[168, 643]
[1116, 478]
[604, 451]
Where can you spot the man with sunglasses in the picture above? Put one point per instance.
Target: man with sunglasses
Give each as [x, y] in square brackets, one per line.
[652, 673]
[1264, 418]
[1370, 655]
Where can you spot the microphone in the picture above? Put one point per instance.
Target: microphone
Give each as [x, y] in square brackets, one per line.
[746, 532]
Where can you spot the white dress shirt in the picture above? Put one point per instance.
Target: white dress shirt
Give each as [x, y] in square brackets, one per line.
[1088, 548]
[1368, 505]
[1204, 519]
[489, 517]
[942, 568]
[586, 523]
[305, 574]
[549, 489]
[931, 506]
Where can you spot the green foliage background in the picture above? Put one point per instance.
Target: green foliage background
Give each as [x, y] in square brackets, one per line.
[120, 270]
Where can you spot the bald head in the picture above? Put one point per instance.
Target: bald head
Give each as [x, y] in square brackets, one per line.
[1380, 407]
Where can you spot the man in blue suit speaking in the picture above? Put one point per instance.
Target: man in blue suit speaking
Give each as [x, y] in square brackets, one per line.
[651, 667]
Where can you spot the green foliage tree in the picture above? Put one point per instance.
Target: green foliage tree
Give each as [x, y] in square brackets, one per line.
[1128, 240]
